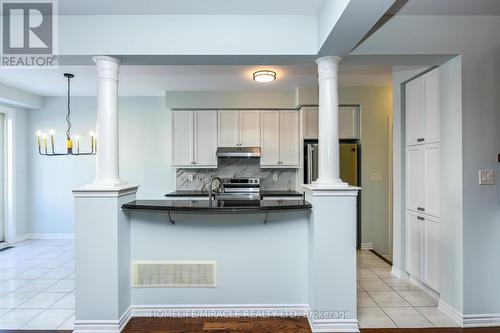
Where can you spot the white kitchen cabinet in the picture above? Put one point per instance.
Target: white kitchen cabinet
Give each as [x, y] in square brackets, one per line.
[310, 122]
[249, 128]
[239, 128]
[289, 138]
[349, 122]
[423, 179]
[194, 139]
[414, 245]
[228, 128]
[182, 138]
[432, 180]
[430, 252]
[270, 138]
[422, 109]
[280, 139]
[422, 248]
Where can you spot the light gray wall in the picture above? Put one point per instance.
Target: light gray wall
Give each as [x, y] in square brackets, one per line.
[144, 156]
[21, 183]
[476, 39]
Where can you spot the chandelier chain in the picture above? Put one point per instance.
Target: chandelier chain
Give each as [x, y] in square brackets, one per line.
[68, 116]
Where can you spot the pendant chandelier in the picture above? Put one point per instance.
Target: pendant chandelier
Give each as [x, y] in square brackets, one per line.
[43, 148]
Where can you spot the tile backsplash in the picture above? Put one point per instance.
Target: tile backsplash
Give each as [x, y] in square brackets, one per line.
[237, 167]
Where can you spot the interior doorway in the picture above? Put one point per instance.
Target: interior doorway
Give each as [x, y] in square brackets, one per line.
[2, 180]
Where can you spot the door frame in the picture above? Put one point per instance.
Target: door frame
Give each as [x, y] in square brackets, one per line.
[8, 175]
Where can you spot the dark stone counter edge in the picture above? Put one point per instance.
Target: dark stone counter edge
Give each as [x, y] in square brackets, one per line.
[270, 193]
[217, 210]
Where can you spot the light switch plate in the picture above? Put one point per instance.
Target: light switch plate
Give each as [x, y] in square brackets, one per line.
[486, 177]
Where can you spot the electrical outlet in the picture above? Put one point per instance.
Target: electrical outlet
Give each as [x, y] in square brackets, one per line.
[486, 177]
[190, 178]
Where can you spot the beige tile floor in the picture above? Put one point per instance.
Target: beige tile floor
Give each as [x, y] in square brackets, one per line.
[385, 301]
[37, 282]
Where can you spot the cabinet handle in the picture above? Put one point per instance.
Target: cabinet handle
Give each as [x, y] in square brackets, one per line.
[422, 209]
[420, 140]
[420, 218]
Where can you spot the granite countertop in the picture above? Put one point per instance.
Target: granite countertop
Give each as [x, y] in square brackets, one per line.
[263, 193]
[218, 206]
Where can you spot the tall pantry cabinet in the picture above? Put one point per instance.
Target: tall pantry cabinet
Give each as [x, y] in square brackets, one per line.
[423, 179]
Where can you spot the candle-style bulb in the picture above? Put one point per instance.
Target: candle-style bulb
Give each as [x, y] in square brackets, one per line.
[38, 133]
[52, 132]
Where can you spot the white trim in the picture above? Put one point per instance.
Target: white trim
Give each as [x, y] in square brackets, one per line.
[9, 175]
[424, 287]
[349, 191]
[452, 313]
[366, 246]
[333, 325]
[398, 273]
[48, 235]
[481, 320]
[98, 326]
[104, 192]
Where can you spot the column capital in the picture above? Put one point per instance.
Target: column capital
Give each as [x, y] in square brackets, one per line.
[107, 67]
[328, 67]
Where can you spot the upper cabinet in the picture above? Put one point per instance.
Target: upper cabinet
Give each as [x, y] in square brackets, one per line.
[194, 139]
[280, 139]
[422, 109]
[239, 128]
[349, 120]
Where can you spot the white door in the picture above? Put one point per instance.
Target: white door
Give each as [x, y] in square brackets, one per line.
[289, 138]
[205, 138]
[348, 122]
[414, 111]
[249, 128]
[413, 244]
[432, 182]
[415, 181]
[310, 123]
[431, 252]
[228, 128]
[269, 138]
[431, 107]
[182, 138]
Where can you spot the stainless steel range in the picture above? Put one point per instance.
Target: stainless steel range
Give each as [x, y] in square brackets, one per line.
[241, 189]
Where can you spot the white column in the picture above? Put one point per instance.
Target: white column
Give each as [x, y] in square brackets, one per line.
[107, 170]
[328, 132]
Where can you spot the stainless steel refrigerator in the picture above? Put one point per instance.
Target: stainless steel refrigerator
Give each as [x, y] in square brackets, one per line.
[349, 162]
[350, 170]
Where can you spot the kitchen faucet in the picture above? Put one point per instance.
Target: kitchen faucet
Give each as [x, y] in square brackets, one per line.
[220, 189]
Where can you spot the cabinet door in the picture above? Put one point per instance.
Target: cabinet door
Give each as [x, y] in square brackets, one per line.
[249, 128]
[205, 138]
[432, 182]
[289, 138]
[413, 245]
[431, 107]
[228, 128]
[269, 138]
[182, 138]
[431, 253]
[414, 111]
[348, 122]
[415, 178]
[311, 116]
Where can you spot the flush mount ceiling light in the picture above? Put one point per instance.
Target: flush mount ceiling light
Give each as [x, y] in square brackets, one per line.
[264, 76]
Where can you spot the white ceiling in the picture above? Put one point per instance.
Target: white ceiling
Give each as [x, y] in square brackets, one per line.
[189, 7]
[446, 7]
[155, 80]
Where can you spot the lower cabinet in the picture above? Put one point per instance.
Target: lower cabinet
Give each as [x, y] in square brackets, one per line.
[422, 248]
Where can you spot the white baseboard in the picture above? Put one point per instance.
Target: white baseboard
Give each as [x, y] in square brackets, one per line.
[54, 235]
[481, 320]
[451, 312]
[221, 310]
[103, 326]
[425, 287]
[366, 246]
[333, 325]
[399, 273]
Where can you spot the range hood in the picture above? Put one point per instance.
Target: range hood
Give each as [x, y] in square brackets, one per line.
[238, 152]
